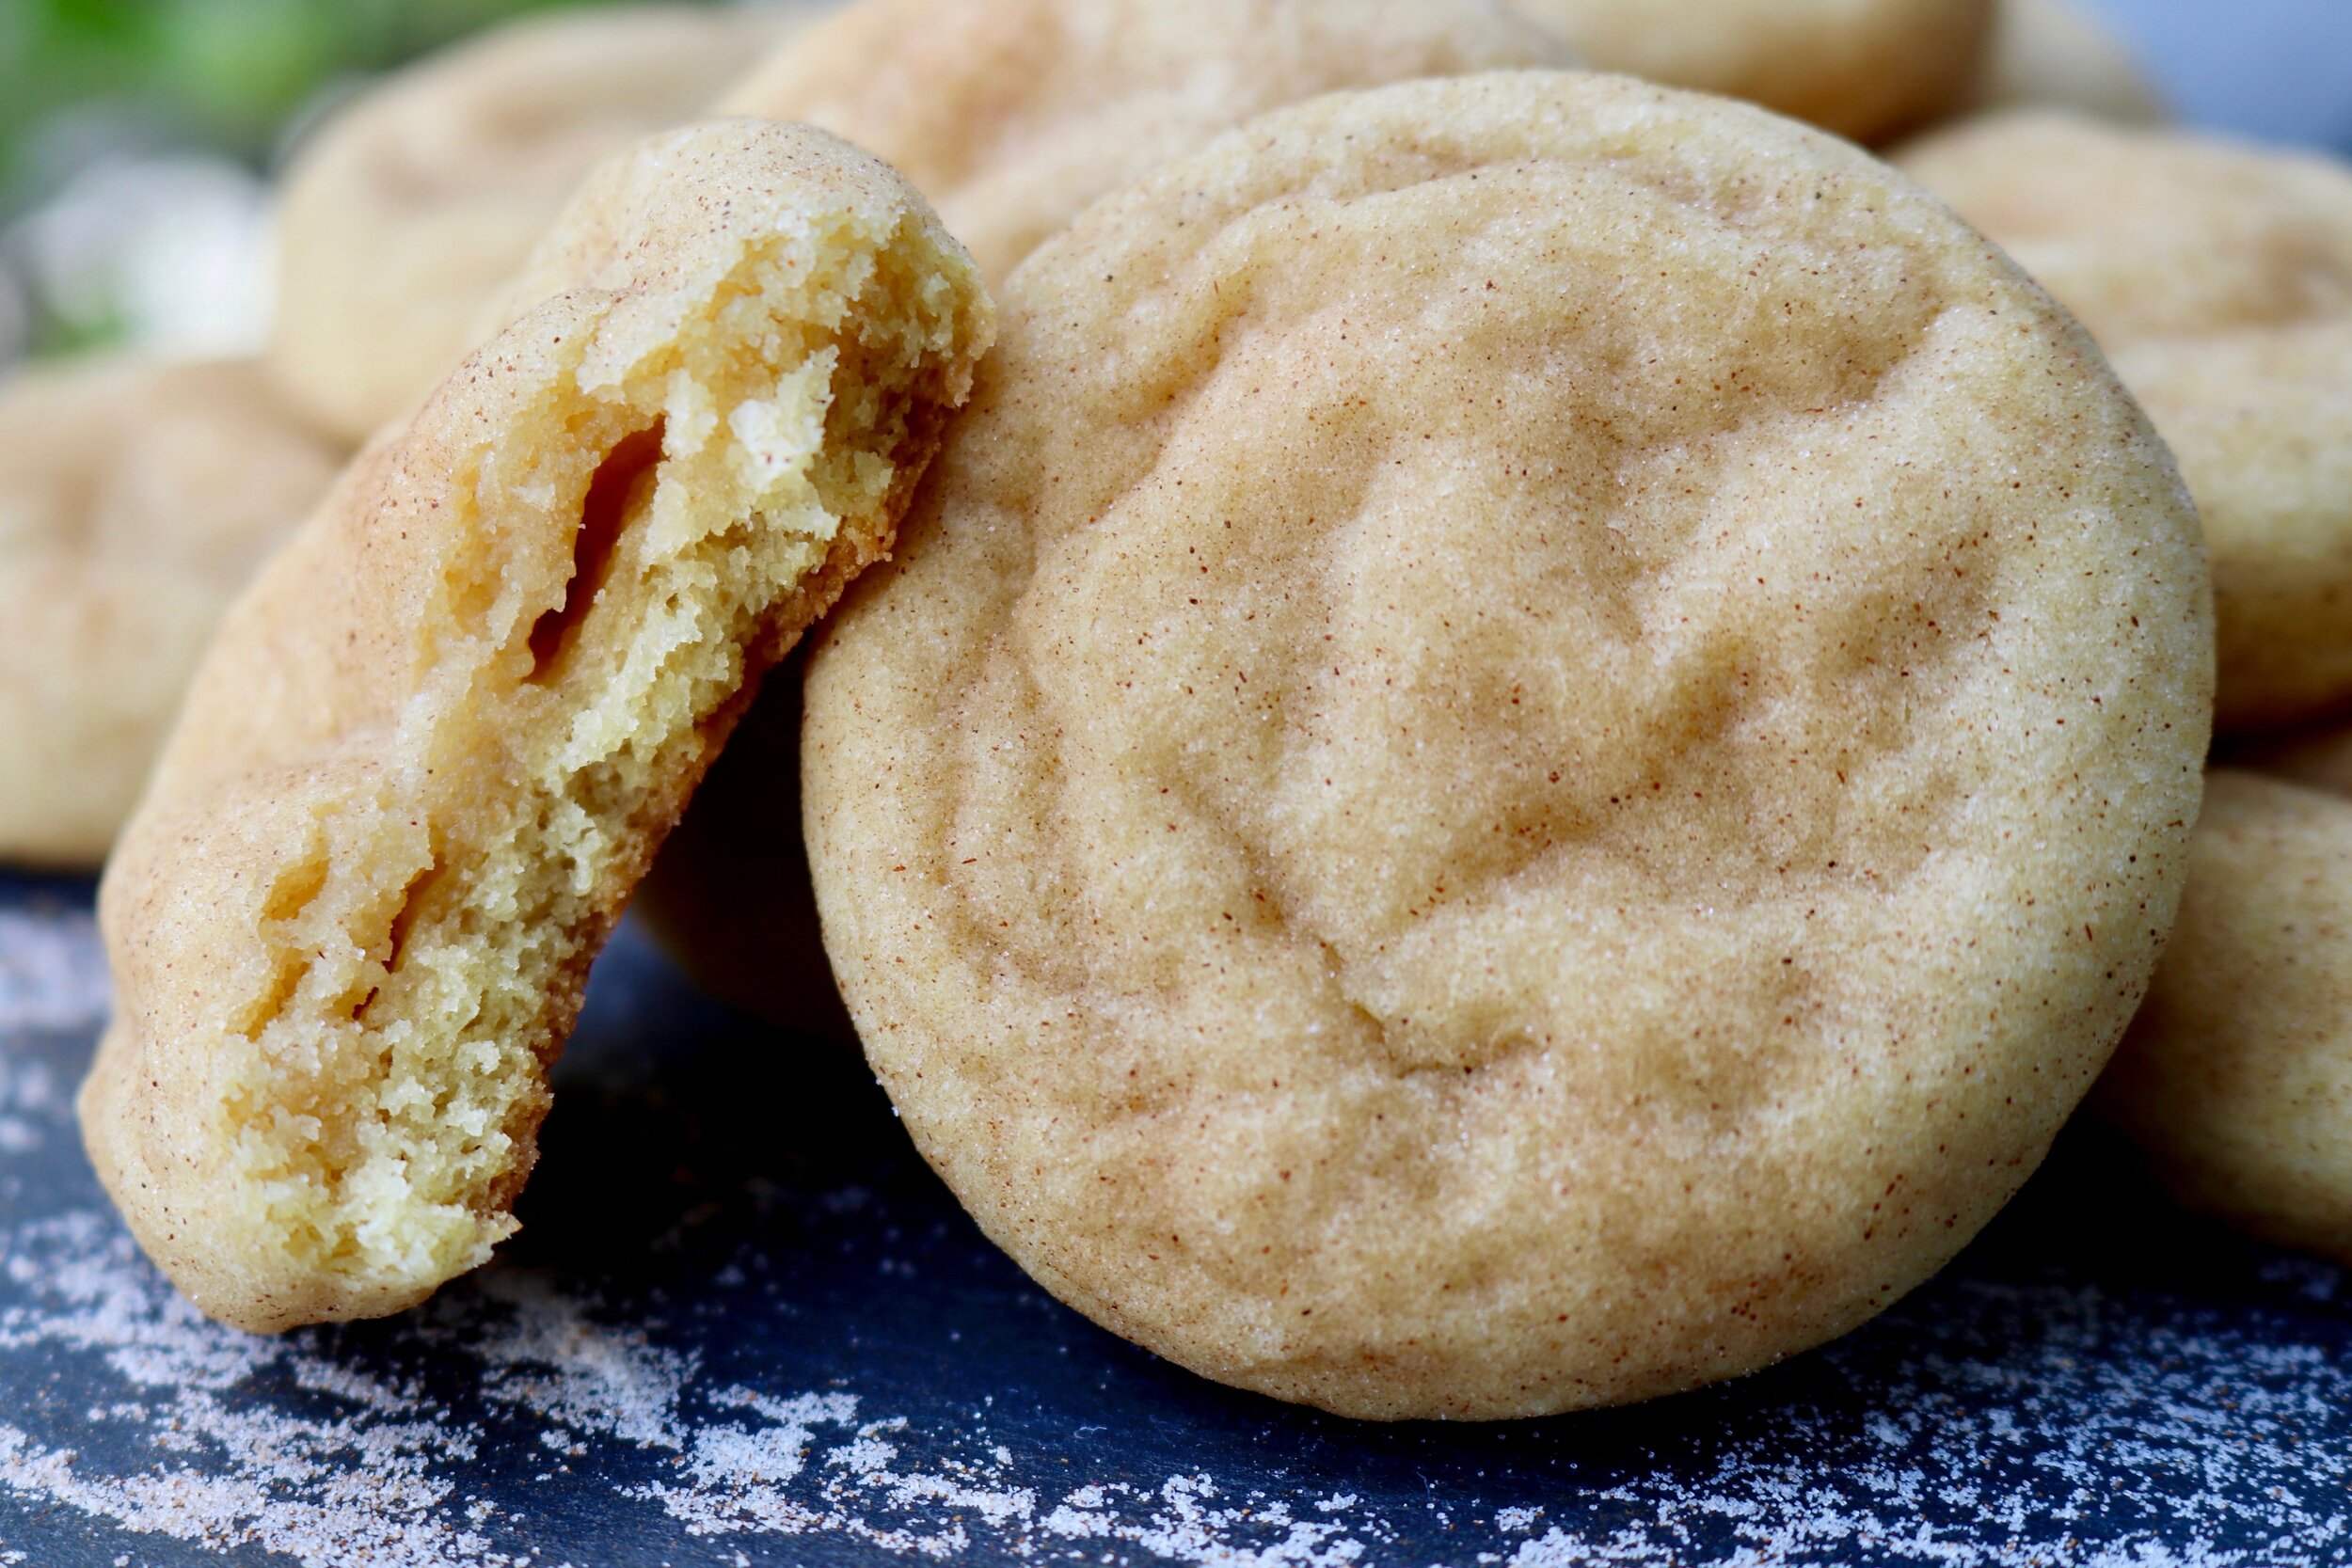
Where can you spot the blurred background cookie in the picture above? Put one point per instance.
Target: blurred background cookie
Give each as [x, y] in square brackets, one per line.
[2236, 1079]
[2056, 54]
[1864, 69]
[137, 140]
[2218, 279]
[1013, 115]
[137, 498]
[411, 207]
[1479, 786]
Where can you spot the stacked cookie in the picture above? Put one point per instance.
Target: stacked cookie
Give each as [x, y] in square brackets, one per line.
[1520, 748]
[2218, 279]
[1436, 852]
[136, 500]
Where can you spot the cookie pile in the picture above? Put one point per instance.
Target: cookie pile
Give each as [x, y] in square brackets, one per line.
[2218, 279]
[1519, 749]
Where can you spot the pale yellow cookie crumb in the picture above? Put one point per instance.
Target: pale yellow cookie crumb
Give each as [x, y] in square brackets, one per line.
[436, 746]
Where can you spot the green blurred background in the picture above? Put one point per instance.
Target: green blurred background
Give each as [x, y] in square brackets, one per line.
[227, 72]
[162, 116]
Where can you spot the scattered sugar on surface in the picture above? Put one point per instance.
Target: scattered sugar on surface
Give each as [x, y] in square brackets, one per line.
[377, 1480]
[1995, 1409]
[2207, 1434]
[52, 972]
[553, 1359]
[30, 1099]
[228, 1468]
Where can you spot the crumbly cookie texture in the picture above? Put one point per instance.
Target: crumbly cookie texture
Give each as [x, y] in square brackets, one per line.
[1014, 115]
[137, 498]
[2055, 54]
[1864, 69]
[411, 208]
[1533, 738]
[2236, 1079]
[434, 748]
[2218, 279]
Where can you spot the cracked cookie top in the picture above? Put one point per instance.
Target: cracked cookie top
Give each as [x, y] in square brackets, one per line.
[1532, 740]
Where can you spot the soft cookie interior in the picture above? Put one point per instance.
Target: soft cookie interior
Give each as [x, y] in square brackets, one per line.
[720, 478]
[636, 499]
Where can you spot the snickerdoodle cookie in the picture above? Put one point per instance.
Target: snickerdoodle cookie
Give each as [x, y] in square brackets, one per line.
[1864, 69]
[436, 746]
[137, 498]
[1534, 735]
[2218, 279]
[2054, 53]
[413, 206]
[2236, 1081]
[1013, 115]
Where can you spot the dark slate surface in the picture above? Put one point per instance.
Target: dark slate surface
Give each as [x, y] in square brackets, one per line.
[745, 1325]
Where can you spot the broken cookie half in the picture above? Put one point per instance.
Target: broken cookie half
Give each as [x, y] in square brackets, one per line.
[439, 741]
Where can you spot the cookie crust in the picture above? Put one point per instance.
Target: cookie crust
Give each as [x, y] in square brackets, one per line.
[1533, 738]
[137, 498]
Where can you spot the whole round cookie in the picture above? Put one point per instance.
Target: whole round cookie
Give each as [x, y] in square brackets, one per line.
[436, 746]
[2218, 279]
[2236, 1079]
[408, 211]
[1533, 737]
[1013, 115]
[1864, 69]
[2054, 53]
[137, 498]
